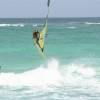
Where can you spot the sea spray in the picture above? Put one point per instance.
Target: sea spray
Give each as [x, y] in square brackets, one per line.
[51, 74]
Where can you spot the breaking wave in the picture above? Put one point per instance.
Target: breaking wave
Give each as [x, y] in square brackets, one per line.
[13, 25]
[71, 27]
[52, 73]
[37, 25]
[90, 23]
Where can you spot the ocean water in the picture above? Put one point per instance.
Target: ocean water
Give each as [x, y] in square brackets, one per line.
[71, 70]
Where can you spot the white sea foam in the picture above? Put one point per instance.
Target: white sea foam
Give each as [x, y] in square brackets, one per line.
[52, 74]
[72, 27]
[34, 25]
[13, 25]
[37, 25]
[90, 23]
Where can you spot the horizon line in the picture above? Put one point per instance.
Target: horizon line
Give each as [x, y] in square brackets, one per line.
[41, 17]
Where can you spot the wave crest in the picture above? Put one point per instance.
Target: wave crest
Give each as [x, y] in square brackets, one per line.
[13, 25]
[90, 23]
[51, 74]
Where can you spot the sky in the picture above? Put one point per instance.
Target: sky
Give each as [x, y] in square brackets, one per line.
[58, 8]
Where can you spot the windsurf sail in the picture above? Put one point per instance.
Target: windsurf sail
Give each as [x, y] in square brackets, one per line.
[42, 37]
[43, 32]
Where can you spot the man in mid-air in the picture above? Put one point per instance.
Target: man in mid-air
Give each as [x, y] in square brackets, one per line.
[36, 36]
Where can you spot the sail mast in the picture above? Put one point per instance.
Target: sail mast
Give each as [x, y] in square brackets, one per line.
[40, 43]
[48, 5]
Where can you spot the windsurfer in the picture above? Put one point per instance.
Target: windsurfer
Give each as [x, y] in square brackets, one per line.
[39, 37]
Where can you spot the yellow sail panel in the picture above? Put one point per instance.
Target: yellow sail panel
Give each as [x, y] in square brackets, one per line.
[42, 36]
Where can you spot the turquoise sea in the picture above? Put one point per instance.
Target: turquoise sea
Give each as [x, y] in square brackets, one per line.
[71, 70]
